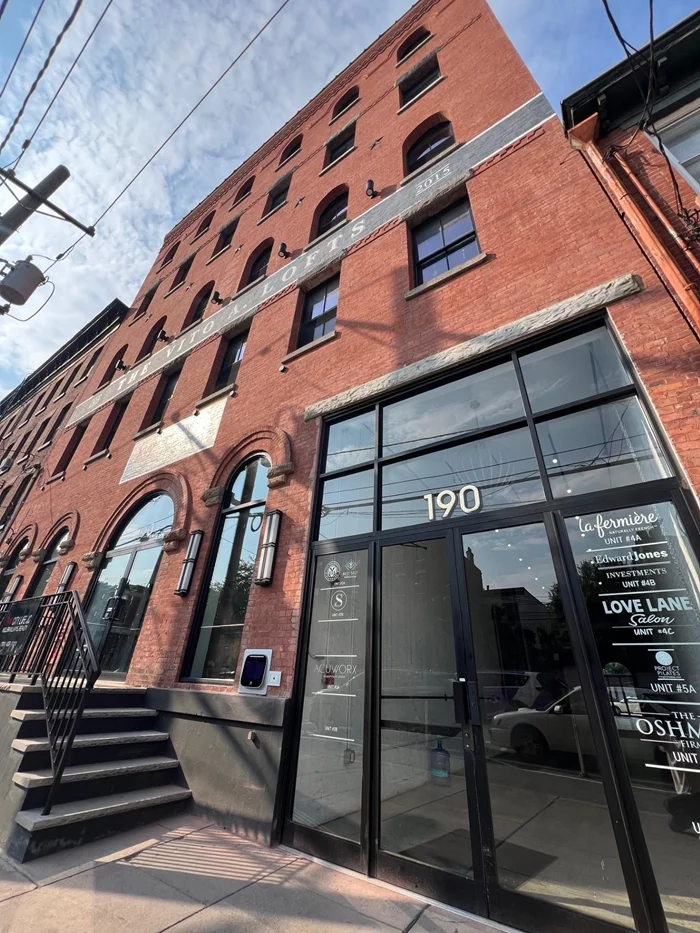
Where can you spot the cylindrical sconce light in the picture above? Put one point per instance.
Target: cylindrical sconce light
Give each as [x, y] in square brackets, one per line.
[66, 577]
[268, 547]
[15, 583]
[188, 563]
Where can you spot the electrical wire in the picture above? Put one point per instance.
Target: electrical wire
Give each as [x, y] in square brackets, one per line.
[21, 48]
[3, 5]
[31, 210]
[35, 83]
[165, 142]
[27, 142]
[25, 319]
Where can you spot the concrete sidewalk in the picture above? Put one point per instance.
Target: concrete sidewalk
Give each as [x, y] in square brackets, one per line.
[188, 876]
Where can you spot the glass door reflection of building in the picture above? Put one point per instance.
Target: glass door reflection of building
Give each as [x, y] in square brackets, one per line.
[641, 584]
[552, 831]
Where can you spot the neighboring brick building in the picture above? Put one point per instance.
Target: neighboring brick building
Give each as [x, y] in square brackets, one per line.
[458, 365]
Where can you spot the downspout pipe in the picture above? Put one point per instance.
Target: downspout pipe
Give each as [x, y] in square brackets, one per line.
[583, 137]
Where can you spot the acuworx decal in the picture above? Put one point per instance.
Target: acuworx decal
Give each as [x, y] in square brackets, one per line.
[435, 180]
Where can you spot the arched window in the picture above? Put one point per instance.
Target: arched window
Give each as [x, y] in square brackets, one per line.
[244, 190]
[217, 639]
[170, 255]
[430, 144]
[8, 571]
[204, 225]
[346, 101]
[335, 212]
[116, 364]
[291, 150]
[258, 264]
[38, 584]
[152, 340]
[128, 573]
[199, 305]
[417, 38]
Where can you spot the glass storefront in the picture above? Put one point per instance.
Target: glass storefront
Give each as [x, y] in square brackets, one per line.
[501, 646]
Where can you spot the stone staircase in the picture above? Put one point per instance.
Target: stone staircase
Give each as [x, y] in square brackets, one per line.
[122, 773]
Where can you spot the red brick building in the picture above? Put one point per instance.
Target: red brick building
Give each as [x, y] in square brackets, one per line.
[408, 356]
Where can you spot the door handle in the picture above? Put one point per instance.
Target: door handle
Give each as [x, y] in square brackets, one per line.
[465, 696]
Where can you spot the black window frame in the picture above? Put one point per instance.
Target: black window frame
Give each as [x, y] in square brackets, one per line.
[413, 163]
[445, 251]
[307, 324]
[418, 80]
[164, 393]
[277, 196]
[350, 97]
[182, 273]
[225, 237]
[199, 305]
[60, 418]
[332, 220]
[340, 145]
[204, 225]
[255, 274]
[71, 448]
[170, 255]
[244, 190]
[116, 416]
[228, 368]
[412, 43]
[291, 149]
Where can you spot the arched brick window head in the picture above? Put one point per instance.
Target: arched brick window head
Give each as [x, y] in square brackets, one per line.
[151, 341]
[259, 264]
[244, 190]
[292, 149]
[346, 101]
[199, 305]
[417, 38]
[333, 213]
[430, 144]
[116, 365]
[170, 255]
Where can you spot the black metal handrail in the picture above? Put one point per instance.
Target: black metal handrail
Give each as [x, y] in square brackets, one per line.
[47, 639]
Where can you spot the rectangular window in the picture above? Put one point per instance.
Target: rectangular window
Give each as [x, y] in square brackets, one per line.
[70, 449]
[167, 390]
[225, 237]
[340, 145]
[146, 302]
[110, 429]
[182, 273]
[231, 361]
[680, 133]
[418, 80]
[37, 436]
[92, 362]
[443, 242]
[320, 311]
[277, 196]
[57, 424]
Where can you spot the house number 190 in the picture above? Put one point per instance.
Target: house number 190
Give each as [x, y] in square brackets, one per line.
[447, 500]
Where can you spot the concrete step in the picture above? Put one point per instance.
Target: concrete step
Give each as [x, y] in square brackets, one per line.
[92, 739]
[64, 814]
[95, 771]
[126, 712]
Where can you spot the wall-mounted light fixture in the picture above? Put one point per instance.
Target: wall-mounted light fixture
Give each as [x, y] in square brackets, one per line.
[162, 336]
[268, 547]
[369, 190]
[216, 299]
[66, 577]
[283, 251]
[15, 584]
[120, 366]
[188, 563]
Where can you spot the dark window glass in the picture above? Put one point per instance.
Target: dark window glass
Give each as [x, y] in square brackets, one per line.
[38, 584]
[444, 242]
[320, 310]
[259, 265]
[340, 144]
[221, 622]
[112, 427]
[166, 394]
[291, 149]
[60, 418]
[70, 449]
[146, 302]
[586, 365]
[231, 361]
[467, 404]
[170, 255]
[113, 367]
[415, 40]
[244, 190]
[277, 196]
[205, 224]
[503, 468]
[37, 435]
[429, 145]
[351, 441]
[418, 80]
[7, 572]
[152, 339]
[346, 101]
[199, 306]
[601, 448]
[333, 214]
[182, 272]
[347, 505]
[225, 237]
[91, 363]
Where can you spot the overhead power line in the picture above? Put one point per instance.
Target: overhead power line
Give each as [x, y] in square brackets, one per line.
[3, 5]
[27, 143]
[35, 83]
[21, 48]
[182, 122]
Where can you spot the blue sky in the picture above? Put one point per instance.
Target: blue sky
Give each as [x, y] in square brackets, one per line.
[149, 62]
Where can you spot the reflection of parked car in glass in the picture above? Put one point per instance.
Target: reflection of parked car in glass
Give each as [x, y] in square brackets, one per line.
[563, 727]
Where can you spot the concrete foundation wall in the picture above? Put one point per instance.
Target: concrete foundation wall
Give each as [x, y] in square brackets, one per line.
[11, 797]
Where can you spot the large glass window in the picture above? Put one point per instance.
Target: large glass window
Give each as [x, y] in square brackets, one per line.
[222, 615]
[431, 144]
[320, 311]
[443, 242]
[50, 560]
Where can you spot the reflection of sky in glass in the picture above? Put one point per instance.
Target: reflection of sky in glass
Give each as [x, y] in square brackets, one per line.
[346, 507]
[351, 442]
[513, 557]
[152, 520]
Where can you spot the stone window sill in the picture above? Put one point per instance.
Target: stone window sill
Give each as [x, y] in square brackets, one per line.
[270, 213]
[200, 235]
[247, 288]
[22, 459]
[174, 289]
[327, 338]
[240, 200]
[230, 389]
[39, 410]
[44, 446]
[188, 328]
[433, 161]
[446, 276]
[98, 456]
[151, 429]
[425, 90]
[413, 51]
[344, 111]
[216, 255]
[22, 423]
[60, 395]
[165, 264]
[82, 379]
[288, 159]
[56, 478]
[323, 236]
[335, 162]
[137, 317]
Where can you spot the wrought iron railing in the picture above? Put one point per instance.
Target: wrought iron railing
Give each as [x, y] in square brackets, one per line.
[46, 639]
